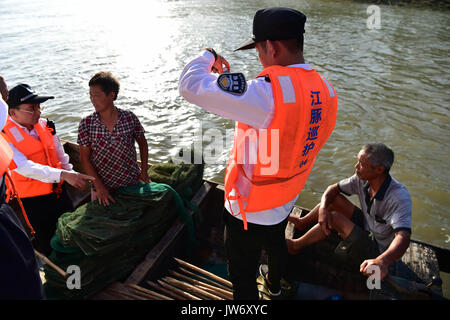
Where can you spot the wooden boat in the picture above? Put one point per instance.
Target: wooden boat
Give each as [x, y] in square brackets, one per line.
[417, 279]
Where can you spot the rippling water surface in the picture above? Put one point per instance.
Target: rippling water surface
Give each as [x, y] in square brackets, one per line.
[392, 83]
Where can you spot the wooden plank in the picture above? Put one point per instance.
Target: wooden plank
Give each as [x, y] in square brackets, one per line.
[442, 254]
[290, 229]
[139, 273]
[421, 260]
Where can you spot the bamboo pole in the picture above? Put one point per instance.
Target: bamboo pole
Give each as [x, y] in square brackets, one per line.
[202, 280]
[226, 294]
[214, 291]
[150, 292]
[51, 264]
[209, 274]
[214, 283]
[178, 291]
[125, 294]
[192, 288]
[143, 294]
[163, 289]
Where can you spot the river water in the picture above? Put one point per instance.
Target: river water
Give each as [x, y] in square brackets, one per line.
[392, 82]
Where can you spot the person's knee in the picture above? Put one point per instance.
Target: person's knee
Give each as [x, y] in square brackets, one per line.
[342, 205]
[341, 223]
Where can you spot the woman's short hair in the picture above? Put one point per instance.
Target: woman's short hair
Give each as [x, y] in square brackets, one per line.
[106, 81]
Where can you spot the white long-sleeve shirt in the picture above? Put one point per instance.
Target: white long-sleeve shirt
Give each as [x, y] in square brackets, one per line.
[37, 171]
[254, 107]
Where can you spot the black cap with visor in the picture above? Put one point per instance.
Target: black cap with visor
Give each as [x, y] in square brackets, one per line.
[275, 23]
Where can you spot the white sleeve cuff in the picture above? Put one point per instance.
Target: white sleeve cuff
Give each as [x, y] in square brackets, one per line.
[39, 172]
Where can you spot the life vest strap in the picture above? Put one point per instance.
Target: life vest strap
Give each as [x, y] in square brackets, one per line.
[12, 193]
[239, 199]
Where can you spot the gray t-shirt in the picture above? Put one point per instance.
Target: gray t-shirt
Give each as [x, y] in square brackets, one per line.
[386, 213]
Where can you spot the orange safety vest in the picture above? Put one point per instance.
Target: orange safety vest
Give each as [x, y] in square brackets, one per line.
[6, 155]
[305, 115]
[42, 152]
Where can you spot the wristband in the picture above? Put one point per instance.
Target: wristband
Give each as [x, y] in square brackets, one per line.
[213, 52]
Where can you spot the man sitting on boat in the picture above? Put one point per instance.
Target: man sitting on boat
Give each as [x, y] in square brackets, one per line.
[39, 164]
[378, 234]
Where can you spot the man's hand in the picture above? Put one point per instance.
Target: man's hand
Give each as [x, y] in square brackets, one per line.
[324, 220]
[220, 65]
[374, 262]
[144, 176]
[76, 179]
[103, 196]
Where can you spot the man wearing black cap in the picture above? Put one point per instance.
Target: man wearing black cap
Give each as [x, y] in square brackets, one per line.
[19, 275]
[283, 118]
[39, 164]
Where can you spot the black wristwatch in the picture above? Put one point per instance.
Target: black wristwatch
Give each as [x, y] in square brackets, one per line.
[213, 52]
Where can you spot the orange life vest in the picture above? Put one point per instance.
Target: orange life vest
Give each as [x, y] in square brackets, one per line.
[305, 115]
[6, 155]
[42, 152]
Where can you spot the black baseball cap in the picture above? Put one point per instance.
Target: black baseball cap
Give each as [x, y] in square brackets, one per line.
[23, 93]
[275, 23]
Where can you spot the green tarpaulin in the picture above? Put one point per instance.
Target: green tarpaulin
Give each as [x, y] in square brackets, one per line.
[107, 243]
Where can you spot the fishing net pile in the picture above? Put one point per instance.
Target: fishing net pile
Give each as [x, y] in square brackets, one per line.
[107, 243]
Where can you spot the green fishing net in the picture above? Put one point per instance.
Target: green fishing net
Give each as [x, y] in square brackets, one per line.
[107, 243]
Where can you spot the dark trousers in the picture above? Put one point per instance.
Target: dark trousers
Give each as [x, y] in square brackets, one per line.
[243, 249]
[19, 276]
[43, 213]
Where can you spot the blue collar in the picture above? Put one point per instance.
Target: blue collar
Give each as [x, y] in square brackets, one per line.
[382, 191]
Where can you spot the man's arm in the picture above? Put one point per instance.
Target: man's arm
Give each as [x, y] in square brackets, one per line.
[197, 85]
[394, 252]
[3, 89]
[33, 170]
[143, 151]
[102, 192]
[63, 157]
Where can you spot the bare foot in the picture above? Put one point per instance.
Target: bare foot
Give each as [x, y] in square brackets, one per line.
[298, 222]
[292, 246]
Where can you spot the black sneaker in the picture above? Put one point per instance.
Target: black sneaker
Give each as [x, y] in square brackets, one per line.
[263, 271]
[288, 289]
